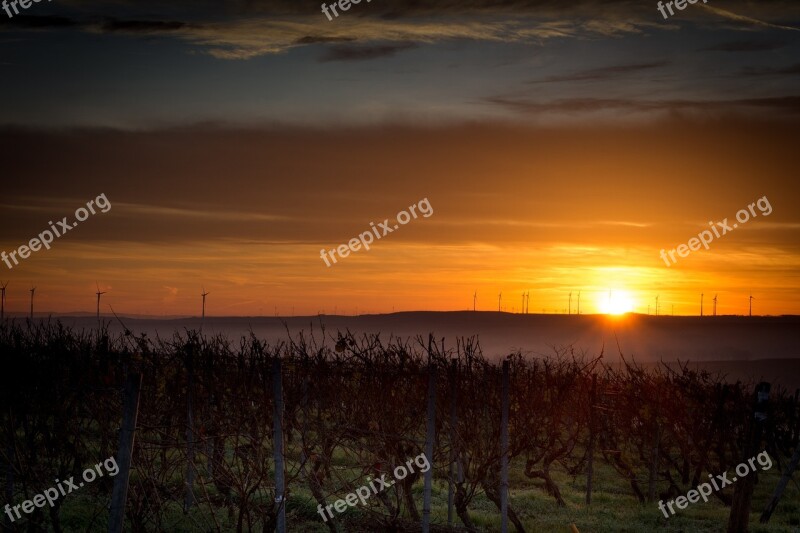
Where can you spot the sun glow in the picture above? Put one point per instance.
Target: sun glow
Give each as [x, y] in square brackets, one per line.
[615, 303]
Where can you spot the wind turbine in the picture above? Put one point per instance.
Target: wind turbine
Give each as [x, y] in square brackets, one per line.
[499, 299]
[474, 300]
[204, 294]
[715, 305]
[579, 302]
[569, 308]
[701, 304]
[751, 304]
[656, 305]
[3, 300]
[33, 291]
[98, 300]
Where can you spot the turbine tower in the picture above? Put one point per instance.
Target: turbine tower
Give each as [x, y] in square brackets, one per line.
[98, 300]
[715, 305]
[33, 291]
[569, 307]
[3, 301]
[751, 304]
[701, 304]
[656, 305]
[474, 300]
[204, 294]
[499, 299]
[579, 302]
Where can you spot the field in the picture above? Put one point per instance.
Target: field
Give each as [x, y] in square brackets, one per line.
[353, 408]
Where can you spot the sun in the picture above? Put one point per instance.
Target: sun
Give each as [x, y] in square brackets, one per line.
[615, 303]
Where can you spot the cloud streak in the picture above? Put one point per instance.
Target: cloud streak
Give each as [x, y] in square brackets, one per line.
[746, 46]
[743, 19]
[605, 73]
[251, 38]
[363, 53]
[790, 70]
[779, 105]
[251, 28]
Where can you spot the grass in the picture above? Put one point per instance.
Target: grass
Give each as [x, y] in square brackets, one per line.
[613, 509]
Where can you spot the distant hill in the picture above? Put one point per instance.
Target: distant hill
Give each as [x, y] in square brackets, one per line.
[647, 338]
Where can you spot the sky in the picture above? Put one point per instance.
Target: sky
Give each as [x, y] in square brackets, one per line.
[560, 146]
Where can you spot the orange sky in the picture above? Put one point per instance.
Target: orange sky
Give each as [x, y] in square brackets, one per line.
[245, 214]
[561, 145]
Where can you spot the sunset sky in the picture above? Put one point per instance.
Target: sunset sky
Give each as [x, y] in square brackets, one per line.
[561, 146]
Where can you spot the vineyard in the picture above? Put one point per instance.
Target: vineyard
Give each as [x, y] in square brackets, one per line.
[207, 437]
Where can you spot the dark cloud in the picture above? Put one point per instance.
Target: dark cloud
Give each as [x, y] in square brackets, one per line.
[791, 70]
[604, 72]
[571, 9]
[789, 104]
[563, 105]
[242, 29]
[109, 25]
[37, 22]
[400, 8]
[746, 46]
[316, 39]
[782, 104]
[363, 53]
[381, 9]
[141, 26]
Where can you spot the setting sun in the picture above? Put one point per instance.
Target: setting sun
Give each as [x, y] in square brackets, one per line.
[615, 303]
